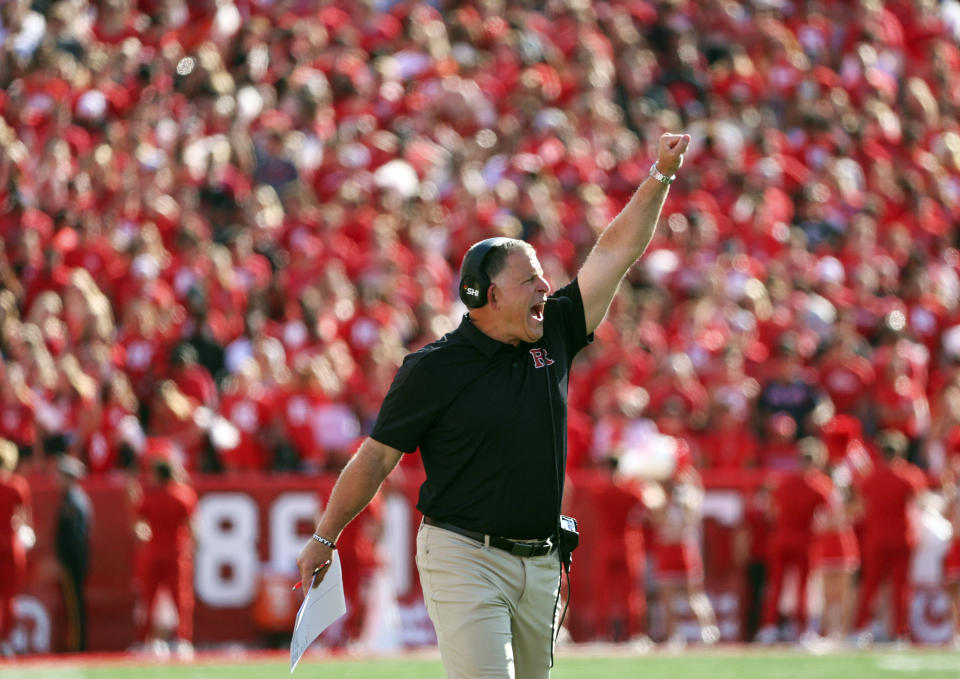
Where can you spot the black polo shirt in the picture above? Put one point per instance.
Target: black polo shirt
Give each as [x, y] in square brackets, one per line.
[490, 420]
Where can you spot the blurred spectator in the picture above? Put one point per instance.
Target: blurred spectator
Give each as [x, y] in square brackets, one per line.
[778, 452]
[205, 330]
[176, 419]
[163, 514]
[798, 505]
[271, 180]
[255, 343]
[74, 524]
[847, 376]
[612, 603]
[925, 311]
[297, 445]
[726, 443]
[108, 445]
[752, 550]
[617, 410]
[888, 494]
[676, 388]
[943, 448]
[730, 386]
[244, 403]
[900, 398]
[193, 380]
[16, 410]
[60, 408]
[144, 347]
[836, 556]
[672, 420]
[272, 166]
[677, 515]
[16, 537]
[791, 391]
[181, 171]
[87, 313]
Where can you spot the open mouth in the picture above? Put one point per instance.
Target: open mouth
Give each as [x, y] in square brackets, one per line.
[536, 311]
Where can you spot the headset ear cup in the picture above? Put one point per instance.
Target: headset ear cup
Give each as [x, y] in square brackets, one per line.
[472, 292]
[473, 280]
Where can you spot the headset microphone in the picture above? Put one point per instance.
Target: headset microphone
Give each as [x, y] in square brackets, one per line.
[474, 281]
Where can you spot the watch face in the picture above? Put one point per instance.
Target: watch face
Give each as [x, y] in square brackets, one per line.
[659, 176]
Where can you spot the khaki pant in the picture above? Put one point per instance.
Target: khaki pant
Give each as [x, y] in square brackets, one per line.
[494, 613]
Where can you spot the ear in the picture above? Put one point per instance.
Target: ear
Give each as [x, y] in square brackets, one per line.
[493, 295]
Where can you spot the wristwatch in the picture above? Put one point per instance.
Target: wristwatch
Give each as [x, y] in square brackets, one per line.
[660, 177]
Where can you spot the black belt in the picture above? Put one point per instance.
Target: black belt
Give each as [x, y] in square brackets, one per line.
[540, 548]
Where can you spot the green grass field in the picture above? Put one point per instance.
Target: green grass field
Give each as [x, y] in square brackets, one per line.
[725, 663]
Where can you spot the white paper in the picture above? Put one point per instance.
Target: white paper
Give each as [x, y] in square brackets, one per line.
[319, 609]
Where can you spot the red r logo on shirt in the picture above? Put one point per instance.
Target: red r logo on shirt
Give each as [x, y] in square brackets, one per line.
[540, 357]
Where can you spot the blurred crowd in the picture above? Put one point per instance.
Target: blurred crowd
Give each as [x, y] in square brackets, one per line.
[224, 222]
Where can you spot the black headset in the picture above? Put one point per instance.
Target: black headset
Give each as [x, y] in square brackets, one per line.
[474, 281]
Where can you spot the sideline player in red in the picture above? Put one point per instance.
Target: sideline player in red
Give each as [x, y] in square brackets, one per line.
[164, 522]
[797, 502]
[887, 494]
[837, 558]
[677, 520]
[611, 603]
[14, 515]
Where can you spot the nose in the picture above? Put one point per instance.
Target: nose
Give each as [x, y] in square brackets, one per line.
[542, 284]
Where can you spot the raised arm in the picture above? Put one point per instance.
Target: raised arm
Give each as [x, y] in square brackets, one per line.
[358, 483]
[627, 236]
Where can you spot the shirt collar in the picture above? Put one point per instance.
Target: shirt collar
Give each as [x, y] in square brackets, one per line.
[482, 341]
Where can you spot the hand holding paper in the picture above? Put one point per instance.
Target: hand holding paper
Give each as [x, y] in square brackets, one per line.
[321, 606]
[316, 572]
[314, 556]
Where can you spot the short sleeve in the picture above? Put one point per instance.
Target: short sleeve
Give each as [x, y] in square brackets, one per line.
[409, 407]
[566, 316]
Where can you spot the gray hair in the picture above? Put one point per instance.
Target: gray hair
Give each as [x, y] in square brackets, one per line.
[496, 259]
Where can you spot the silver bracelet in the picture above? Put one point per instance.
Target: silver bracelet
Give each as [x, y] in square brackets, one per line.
[324, 541]
[660, 177]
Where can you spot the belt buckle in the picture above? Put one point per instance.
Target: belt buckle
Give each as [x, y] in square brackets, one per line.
[523, 549]
[531, 549]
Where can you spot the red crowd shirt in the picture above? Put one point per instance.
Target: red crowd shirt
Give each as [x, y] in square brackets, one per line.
[195, 381]
[729, 447]
[847, 380]
[796, 500]
[167, 510]
[14, 493]
[249, 412]
[297, 407]
[17, 422]
[839, 434]
[901, 398]
[141, 356]
[104, 442]
[887, 493]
